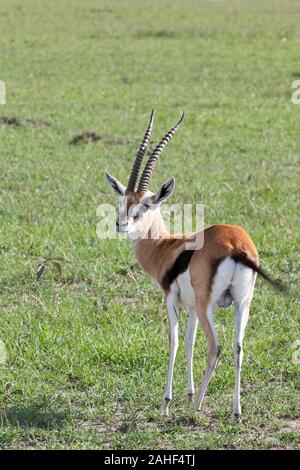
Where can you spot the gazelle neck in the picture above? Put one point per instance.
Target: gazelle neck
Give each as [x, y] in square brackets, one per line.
[156, 253]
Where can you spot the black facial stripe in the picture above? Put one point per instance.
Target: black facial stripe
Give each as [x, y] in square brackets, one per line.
[143, 208]
[180, 265]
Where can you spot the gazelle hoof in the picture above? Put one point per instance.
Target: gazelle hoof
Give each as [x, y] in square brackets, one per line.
[164, 409]
[236, 411]
[196, 407]
[190, 398]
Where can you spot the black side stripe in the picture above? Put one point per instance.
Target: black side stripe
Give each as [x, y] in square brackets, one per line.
[182, 262]
[180, 265]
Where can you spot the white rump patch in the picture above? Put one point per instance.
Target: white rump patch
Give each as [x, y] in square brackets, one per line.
[222, 279]
[234, 276]
[243, 284]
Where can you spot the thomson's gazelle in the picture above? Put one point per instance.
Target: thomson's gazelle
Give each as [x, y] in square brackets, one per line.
[222, 272]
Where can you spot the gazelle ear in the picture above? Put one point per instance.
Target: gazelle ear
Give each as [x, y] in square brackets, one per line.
[165, 191]
[118, 187]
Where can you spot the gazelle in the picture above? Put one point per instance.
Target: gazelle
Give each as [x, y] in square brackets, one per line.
[222, 272]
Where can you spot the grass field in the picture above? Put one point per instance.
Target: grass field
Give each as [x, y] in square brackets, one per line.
[86, 345]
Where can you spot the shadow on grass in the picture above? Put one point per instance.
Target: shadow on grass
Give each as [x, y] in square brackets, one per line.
[35, 415]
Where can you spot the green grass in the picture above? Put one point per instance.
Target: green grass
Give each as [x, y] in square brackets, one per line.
[87, 345]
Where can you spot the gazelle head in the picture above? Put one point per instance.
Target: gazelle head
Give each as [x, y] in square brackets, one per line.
[140, 207]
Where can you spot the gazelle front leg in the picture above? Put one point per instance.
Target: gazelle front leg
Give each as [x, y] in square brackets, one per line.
[205, 315]
[189, 342]
[173, 311]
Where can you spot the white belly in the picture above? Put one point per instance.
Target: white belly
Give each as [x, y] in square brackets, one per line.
[185, 290]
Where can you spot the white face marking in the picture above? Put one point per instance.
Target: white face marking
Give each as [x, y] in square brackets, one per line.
[136, 221]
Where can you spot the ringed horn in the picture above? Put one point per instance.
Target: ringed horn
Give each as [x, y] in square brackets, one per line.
[145, 179]
[140, 155]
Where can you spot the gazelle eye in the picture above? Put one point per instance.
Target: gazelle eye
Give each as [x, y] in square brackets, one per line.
[144, 207]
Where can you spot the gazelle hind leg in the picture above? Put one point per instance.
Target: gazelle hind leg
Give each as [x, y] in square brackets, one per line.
[173, 311]
[189, 342]
[241, 316]
[242, 305]
[205, 316]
